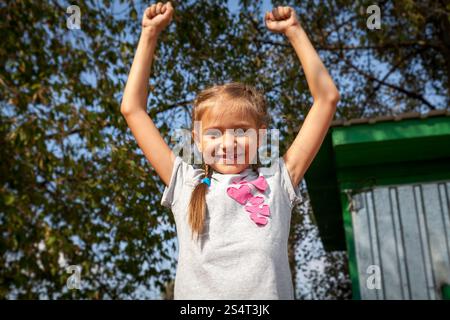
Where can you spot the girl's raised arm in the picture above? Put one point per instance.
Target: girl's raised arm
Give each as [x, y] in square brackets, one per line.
[134, 102]
[325, 94]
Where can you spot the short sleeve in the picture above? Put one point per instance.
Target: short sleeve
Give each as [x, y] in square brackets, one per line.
[293, 192]
[176, 182]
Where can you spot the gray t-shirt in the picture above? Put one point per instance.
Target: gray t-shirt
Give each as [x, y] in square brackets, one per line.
[236, 257]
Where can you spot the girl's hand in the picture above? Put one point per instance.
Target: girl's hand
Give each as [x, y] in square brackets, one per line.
[281, 20]
[157, 17]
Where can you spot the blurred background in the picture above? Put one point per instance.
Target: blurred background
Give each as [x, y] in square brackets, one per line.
[75, 188]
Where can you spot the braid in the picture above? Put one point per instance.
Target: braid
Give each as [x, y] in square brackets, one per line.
[197, 204]
[208, 170]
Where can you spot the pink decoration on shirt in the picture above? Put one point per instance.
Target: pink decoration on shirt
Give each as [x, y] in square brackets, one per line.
[241, 194]
[264, 210]
[258, 211]
[259, 219]
[260, 183]
[256, 200]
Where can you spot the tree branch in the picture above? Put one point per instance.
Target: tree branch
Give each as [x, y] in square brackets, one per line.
[392, 86]
[165, 108]
[395, 67]
[381, 82]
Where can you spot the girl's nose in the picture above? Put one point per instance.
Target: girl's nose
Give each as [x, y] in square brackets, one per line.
[229, 141]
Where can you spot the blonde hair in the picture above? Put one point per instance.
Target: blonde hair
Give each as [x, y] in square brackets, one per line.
[243, 98]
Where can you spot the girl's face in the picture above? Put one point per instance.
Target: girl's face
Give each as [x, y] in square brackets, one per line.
[230, 144]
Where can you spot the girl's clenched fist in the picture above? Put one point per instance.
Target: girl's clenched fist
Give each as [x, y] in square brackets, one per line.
[281, 19]
[157, 17]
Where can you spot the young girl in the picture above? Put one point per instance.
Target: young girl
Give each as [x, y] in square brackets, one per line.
[232, 217]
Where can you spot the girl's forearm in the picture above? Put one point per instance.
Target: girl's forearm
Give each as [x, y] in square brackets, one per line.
[136, 89]
[319, 80]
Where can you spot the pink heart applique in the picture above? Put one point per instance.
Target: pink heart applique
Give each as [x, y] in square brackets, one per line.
[264, 210]
[260, 183]
[259, 219]
[241, 194]
[256, 200]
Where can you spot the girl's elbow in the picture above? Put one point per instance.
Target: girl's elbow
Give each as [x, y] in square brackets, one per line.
[125, 109]
[330, 99]
[334, 97]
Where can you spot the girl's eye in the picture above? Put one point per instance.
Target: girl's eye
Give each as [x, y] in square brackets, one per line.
[239, 132]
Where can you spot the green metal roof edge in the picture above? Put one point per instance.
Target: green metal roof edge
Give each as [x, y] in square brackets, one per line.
[392, 130]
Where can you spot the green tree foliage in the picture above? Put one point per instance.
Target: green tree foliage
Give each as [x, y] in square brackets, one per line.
[76, 190]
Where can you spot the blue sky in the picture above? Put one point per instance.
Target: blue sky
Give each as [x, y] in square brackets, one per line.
[234, 5]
